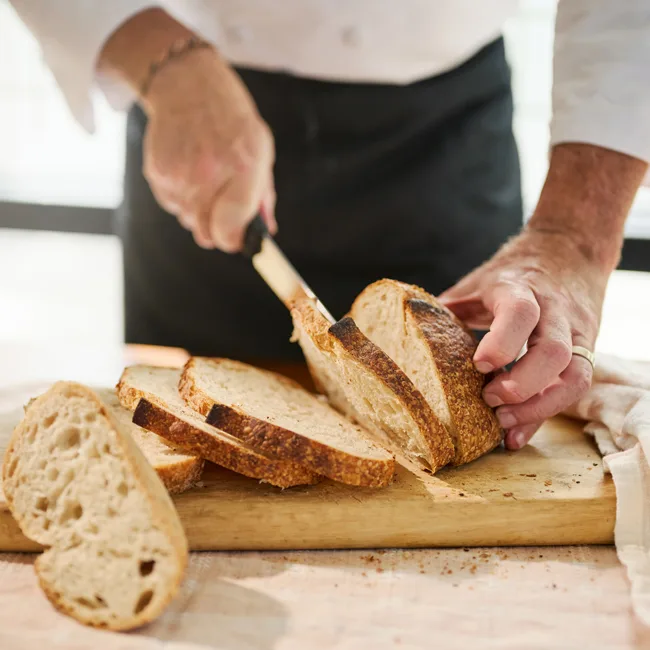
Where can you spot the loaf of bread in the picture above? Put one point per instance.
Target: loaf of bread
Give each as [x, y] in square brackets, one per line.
[152, 393]
[77, 483]
[362, 381]
[280, 418]
[435, 350]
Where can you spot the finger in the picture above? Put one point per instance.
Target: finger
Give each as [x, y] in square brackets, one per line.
[234, 208]
[519, 437]
[548, 355]
[201, 231]
[572, 384]
[268, 207]
[516, 314]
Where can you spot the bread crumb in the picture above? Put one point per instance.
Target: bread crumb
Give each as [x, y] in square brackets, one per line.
[472, 569]
[364, 574]
[449, 572]
[461, 494]
[379, 570]
[507, 494]
[548, 482]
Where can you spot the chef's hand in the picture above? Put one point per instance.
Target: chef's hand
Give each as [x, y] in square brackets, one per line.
[208, 155]
[545, 288]
[538, 290]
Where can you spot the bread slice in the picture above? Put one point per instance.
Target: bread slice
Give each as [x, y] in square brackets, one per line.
[77, 483]
[435, 350]
[363, 382]
[152, 393]
[178, 470]
[279, 417]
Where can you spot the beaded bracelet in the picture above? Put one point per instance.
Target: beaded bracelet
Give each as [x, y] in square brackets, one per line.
[177, 50]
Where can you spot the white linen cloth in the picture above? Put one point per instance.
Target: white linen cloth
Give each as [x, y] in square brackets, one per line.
[617, 410]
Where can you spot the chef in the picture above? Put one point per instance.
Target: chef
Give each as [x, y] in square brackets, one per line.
[384, 128]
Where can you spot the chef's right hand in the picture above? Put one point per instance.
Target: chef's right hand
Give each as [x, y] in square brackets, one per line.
[208, 155]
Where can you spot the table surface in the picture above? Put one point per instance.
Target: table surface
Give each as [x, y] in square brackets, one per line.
[509, 598]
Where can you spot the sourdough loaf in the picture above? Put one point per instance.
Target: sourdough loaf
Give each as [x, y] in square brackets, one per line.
[435, 350]
[367, 385]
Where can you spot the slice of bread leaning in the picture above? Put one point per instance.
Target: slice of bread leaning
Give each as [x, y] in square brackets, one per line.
[178, 470]
[367, 385]
[152, 393]
[279, 417]
[435, 350]
[77, 483]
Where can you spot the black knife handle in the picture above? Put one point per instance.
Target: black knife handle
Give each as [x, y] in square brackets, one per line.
[254, 236]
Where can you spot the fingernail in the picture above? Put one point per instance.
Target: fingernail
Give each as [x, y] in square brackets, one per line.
[506, 419]
[493, 400]
[484, 367]
[519, 439]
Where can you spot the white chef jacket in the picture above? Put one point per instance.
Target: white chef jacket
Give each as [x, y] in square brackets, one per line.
[601, 89]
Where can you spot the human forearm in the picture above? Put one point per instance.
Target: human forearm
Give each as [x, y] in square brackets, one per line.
[586, 197]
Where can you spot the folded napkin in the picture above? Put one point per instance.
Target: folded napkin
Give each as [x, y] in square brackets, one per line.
[617, 411]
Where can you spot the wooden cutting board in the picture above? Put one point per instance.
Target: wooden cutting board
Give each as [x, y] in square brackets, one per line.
[552, 492]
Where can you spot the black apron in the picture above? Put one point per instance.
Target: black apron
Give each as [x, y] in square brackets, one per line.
[418, 183]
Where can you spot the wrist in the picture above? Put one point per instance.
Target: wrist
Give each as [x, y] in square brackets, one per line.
[141, 41]
[585, 200]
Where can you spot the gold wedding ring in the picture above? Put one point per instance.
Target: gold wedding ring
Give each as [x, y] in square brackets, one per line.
[579, 351]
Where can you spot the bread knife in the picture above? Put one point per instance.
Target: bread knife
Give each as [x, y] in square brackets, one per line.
[276, 270]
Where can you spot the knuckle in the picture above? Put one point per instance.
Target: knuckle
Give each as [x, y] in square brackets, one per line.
[557, 351]
[581, 379]
[526, 310]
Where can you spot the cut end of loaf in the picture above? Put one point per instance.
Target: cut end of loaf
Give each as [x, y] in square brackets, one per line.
[435, 350]
[78, 484]
[369, 387]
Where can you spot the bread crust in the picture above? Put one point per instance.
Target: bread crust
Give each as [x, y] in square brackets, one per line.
[363, 350]
[214, 447]
[182, 475]
[278, 442]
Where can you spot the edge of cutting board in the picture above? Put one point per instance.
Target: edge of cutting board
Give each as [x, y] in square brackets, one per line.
[554, 492]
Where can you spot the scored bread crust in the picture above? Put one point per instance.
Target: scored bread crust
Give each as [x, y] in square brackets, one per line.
[275, 440]
[216, 446]
[451, 346]
[163, 513]
[346, 340]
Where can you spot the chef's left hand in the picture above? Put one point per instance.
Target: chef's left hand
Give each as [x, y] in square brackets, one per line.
[539, 290]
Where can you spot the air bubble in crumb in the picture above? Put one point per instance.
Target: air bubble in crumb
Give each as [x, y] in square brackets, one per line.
[147, 567]
[143, 601]
[69, 438]
[42, 503]
[49, 420]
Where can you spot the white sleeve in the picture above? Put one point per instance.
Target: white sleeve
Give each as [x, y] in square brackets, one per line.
[71, 34]
[601, 70]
